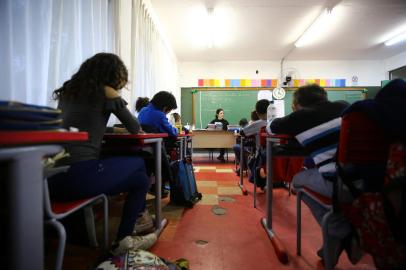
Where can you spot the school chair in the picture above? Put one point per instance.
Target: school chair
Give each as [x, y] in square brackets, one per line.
[370, 213]
[362, 153]
[55, 211]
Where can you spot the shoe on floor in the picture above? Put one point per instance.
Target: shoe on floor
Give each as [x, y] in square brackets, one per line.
[144, 223]
[134, 242]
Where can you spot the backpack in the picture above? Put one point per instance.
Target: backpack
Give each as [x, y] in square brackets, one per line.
[379, 217]
[137, 259]
[183, 185]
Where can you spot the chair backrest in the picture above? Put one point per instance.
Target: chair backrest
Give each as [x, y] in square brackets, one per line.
[363, 151]
[362, 141]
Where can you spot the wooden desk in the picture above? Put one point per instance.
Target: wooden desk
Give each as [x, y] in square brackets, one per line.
[213, 139]
[21, 155]
[145, 140]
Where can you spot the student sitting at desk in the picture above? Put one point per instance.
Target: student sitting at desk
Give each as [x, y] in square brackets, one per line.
[252, 129]
[154, 115]
[220, 119]
[153, 120]
[315, 122]
[86, 101]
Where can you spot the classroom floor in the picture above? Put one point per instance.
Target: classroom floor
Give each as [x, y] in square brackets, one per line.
[234, 240]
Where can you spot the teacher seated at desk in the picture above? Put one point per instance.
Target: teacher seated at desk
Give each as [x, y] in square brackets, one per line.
[220, 119]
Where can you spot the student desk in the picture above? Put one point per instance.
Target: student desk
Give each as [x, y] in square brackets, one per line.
[271, 140]
[143, 140]
[21, 156]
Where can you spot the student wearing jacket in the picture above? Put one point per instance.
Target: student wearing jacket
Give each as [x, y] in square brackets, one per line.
[153, 120]
[154, 114]
[315, 122]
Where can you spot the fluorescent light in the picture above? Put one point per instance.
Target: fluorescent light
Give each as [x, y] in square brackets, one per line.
[210, 27]
[396, 39]
[314, 29]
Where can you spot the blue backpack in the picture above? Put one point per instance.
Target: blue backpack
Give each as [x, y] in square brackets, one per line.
[183, 186]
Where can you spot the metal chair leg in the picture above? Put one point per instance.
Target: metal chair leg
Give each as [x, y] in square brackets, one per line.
[299, 223]
[90, 226]
[61, 242]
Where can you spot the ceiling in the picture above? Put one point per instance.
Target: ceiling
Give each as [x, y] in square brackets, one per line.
[266, 30]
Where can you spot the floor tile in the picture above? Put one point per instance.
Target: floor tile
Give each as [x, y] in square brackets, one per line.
[229, 191]
[203, 183]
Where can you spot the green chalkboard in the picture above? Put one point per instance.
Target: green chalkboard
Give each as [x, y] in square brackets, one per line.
[239, 103]
[236, 105]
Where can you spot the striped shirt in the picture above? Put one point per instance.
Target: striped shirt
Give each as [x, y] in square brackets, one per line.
[317, 129]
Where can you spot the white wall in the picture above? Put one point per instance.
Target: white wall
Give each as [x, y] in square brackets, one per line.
[395, 62]
[369, 73]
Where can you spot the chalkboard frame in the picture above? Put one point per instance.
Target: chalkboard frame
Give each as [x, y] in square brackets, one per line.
[195, 90]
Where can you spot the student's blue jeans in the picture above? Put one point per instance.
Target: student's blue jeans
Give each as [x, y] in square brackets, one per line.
[109, 176]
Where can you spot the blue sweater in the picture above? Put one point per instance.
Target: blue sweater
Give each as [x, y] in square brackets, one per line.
[155, 118]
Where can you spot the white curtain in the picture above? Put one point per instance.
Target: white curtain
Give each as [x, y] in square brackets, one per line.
[45, 41]
[153, 63]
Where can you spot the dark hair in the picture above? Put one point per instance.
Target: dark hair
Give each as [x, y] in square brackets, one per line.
[262, 106]
[100, 70]
[141, 103]
[164, 99]
[218, 111]
[176, 116]
[254, 116]
[309, 95]
[243, 122]
[343, 102]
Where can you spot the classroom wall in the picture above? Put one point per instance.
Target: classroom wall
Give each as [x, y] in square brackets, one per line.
[395, 62]
[369, 73]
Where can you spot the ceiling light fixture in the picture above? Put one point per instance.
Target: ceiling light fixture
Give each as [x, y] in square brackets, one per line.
[314, 29]
[210, 27]
[396, 39]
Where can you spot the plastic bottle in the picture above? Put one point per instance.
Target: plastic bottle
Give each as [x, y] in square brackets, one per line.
[271, 111]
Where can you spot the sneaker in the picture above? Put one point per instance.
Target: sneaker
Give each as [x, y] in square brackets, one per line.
[144, 223]
[134, 242]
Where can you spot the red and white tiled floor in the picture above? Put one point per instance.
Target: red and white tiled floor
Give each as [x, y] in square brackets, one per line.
[233, 241]
[236, 240]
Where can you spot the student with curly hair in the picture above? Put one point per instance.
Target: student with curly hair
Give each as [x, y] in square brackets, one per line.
[87, 100]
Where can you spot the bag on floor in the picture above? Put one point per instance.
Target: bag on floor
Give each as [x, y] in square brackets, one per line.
[137, 259]
[183, 186]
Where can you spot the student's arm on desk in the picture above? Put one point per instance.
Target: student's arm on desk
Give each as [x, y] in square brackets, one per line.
[117, 106]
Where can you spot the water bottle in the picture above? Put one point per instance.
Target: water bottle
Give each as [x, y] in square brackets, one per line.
[271, 111]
